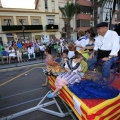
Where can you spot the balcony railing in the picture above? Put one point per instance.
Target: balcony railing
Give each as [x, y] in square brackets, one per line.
[52, 27]
[19, 27]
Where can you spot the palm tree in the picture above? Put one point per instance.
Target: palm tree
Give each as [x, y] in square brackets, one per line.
[70, 9]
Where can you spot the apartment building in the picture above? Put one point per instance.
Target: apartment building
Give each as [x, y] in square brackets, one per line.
[85, 15]
[45, 20]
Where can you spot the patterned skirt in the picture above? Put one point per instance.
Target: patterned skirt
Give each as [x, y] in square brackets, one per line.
[66, 78]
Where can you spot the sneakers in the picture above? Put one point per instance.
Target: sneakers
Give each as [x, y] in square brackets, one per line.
[51, 95]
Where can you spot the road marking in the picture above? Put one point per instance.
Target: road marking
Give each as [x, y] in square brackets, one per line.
[21, 93]
[19, 67]
[21, 103]
[16, 77]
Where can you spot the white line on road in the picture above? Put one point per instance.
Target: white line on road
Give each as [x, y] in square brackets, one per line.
[21, 93]
[21, 103]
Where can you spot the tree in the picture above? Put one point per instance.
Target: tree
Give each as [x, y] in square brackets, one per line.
[110, 3]
[69, 10]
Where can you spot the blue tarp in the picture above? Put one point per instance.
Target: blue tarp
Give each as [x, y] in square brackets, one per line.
[89, 89]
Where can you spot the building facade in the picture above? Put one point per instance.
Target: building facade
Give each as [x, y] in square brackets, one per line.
[45, 20]
[85, 15]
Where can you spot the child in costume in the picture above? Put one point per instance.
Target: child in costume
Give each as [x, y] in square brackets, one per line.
[72, 68]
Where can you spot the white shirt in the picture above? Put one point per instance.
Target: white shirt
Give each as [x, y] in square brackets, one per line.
[11, 52]
[110, 41]
[31, 50]
[73, 64]
[80, 42]
[42, 47]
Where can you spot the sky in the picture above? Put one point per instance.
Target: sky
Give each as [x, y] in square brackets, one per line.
[28, 4]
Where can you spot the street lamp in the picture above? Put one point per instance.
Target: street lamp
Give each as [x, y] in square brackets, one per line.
[106, 19]
[23, 28]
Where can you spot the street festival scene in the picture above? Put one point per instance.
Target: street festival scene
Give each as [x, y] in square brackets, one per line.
[60, 59]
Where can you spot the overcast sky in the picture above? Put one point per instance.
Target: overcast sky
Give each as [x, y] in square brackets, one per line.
[28, 4]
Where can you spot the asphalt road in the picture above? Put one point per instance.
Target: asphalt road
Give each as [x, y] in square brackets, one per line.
[21, 89]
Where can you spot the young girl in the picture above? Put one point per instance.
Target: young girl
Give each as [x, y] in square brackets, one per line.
[49, 62]
[72, 68]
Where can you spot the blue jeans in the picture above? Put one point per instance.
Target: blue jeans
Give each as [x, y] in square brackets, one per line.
[105, 67]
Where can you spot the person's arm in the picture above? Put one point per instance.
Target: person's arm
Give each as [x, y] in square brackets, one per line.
[115, 45]
[89, 47]
[67, 68]
[51, 61]
[92, 54]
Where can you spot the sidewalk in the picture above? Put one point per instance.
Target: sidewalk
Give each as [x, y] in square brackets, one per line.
[13, 65]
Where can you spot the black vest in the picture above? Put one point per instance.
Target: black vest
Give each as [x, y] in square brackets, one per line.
[103, 53]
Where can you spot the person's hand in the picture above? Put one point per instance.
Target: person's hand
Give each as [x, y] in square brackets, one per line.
[91, 56]
[82, 50]
[105, 59]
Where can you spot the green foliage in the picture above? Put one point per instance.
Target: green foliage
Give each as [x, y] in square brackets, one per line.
[69, 10]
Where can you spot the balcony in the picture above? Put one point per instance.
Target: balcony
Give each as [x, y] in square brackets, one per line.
[84, 2]
[18, 28]
[84, 16]
[52, 27]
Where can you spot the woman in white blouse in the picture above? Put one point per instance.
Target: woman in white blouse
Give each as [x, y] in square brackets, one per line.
[11, 52]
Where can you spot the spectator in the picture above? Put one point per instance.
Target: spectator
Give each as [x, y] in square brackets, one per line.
[11, 52]
[19, 45]
[19, 55]
[31, 52]
[24, 53]
[42, 49]
[4, 55]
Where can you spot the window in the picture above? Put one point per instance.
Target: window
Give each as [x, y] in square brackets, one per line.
[53, 6]
[50, 21]
[37, 37]
[7, 22]
[36, 22]
[85, 10]
[22, 21]
[84, 23]
[46, 4]
[78, 23]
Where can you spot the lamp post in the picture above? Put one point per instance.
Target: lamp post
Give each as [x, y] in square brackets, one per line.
[23, 28]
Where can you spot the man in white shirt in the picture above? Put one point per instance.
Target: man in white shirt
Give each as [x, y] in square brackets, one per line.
[107, 46]
[31, 52]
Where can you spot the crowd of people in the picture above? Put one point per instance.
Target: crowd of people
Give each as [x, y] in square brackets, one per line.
[21, 51]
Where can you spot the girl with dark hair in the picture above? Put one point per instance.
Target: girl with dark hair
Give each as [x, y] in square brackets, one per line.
[72, 74]
[49, 62]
